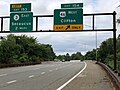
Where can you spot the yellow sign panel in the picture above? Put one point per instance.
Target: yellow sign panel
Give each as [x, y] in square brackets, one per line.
[16, 6]
[68, 27]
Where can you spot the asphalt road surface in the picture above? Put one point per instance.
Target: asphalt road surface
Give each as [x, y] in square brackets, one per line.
[39, 77]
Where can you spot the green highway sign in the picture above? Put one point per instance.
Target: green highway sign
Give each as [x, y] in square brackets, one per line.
[68, 18]
[72, 5]
[20, 7]
[21, 22]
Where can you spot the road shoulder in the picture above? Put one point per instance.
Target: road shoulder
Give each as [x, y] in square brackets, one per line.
[92, 78]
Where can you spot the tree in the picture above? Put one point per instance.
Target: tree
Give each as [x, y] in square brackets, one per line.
[60, 57]
[91, 55]
[106, 48]
[118, 20]
[9, 49]
[67, 57]
[22, 49]
[77, 56]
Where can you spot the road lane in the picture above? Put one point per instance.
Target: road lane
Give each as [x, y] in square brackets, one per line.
[40, 77]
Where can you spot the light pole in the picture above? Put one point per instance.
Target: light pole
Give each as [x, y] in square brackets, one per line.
[96, 46]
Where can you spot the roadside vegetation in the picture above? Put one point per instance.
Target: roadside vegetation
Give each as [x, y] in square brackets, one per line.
[105, 53]
[24, 49]
[67, 57]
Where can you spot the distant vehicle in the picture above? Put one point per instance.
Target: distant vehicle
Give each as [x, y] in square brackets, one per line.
[63, 60]
[57, 60]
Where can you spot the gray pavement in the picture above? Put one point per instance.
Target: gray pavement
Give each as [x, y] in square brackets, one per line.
[92, 78]
[38, 77]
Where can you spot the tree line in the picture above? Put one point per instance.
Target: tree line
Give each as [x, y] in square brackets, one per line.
[23, 49]
[67, 57]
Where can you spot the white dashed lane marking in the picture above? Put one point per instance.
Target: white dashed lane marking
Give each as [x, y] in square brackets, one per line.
[56, 69]
[43, 73]
[31, 76]
[50, 70]
[35, 68]
[13, 81]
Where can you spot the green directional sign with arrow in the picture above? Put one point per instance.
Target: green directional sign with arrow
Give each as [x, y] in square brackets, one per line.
[68, 19]
[21, 22]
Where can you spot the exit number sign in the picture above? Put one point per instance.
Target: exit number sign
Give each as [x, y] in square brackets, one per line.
[20, 7]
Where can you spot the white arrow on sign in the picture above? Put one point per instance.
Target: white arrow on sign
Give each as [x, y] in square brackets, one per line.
[16, 17]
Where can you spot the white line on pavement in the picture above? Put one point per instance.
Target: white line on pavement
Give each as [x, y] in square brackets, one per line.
[31, 76]
[35, 68]
[3, 75]
[11, 81]
[15, 69]
[61, 87]
[50, 70]
[43, 73]
[56, 69]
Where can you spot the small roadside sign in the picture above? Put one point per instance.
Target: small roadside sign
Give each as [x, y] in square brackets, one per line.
[20, 7]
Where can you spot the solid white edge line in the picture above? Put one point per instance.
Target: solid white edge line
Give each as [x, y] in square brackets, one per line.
[11, 81]
[61, 87]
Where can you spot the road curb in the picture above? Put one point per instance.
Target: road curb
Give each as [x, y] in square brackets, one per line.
[115, 78]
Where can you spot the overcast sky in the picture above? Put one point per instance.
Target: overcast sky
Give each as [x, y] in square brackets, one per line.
[71, 42]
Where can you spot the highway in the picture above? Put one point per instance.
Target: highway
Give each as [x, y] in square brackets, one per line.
[39, 77]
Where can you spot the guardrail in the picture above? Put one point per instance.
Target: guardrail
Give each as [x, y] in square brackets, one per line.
[114, 76]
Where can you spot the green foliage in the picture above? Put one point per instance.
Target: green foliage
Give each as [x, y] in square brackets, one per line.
[60, 57]
[118, 20]
[67, 57]
[22, 49]
[91, 55]
[105, 53]
[105, 49]
[77, 56]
